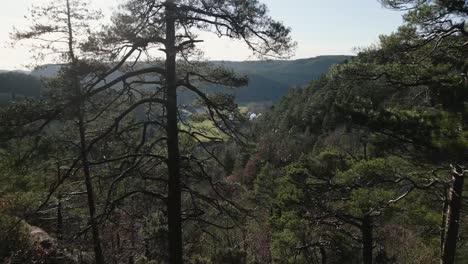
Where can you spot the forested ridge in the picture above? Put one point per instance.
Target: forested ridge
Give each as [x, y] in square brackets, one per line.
[268, 80]
[365, 164]
[14, 84]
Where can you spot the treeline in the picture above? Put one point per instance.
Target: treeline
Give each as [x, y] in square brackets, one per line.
[268, 80]
[16, 84]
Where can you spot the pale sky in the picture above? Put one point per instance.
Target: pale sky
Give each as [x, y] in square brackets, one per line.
[321, 27]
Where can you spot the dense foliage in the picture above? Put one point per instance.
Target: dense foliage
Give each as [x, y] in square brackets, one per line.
[364, 165]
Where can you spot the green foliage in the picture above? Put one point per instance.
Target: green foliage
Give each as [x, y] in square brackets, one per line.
[367, 145]
[265, 185]
[374, 130]
[144, 260]
[284, 247]
[229, 162]
[13, 235]
[229, 256]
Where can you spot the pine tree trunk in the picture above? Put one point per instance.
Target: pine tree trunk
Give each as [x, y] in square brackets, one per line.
[174, 206]
[367, 239]
[323, 254]
[99, 257]
[452, 217]
[444, 219]
[59, 220]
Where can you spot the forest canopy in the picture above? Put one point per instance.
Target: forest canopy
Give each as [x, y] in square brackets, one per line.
[103, 162]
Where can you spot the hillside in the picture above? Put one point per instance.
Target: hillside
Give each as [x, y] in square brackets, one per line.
[268, 80]
[291, 72]
[14, 84]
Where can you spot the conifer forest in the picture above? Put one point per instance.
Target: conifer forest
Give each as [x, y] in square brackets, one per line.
[125, 144]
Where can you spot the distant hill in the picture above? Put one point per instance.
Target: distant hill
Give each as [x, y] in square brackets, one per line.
[48, 70]
[16, 84]
[292, 72]
[268, 80]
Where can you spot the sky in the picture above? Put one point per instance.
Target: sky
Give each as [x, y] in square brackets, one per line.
[320, 27]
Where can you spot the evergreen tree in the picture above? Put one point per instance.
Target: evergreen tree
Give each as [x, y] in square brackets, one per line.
[171, 26]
